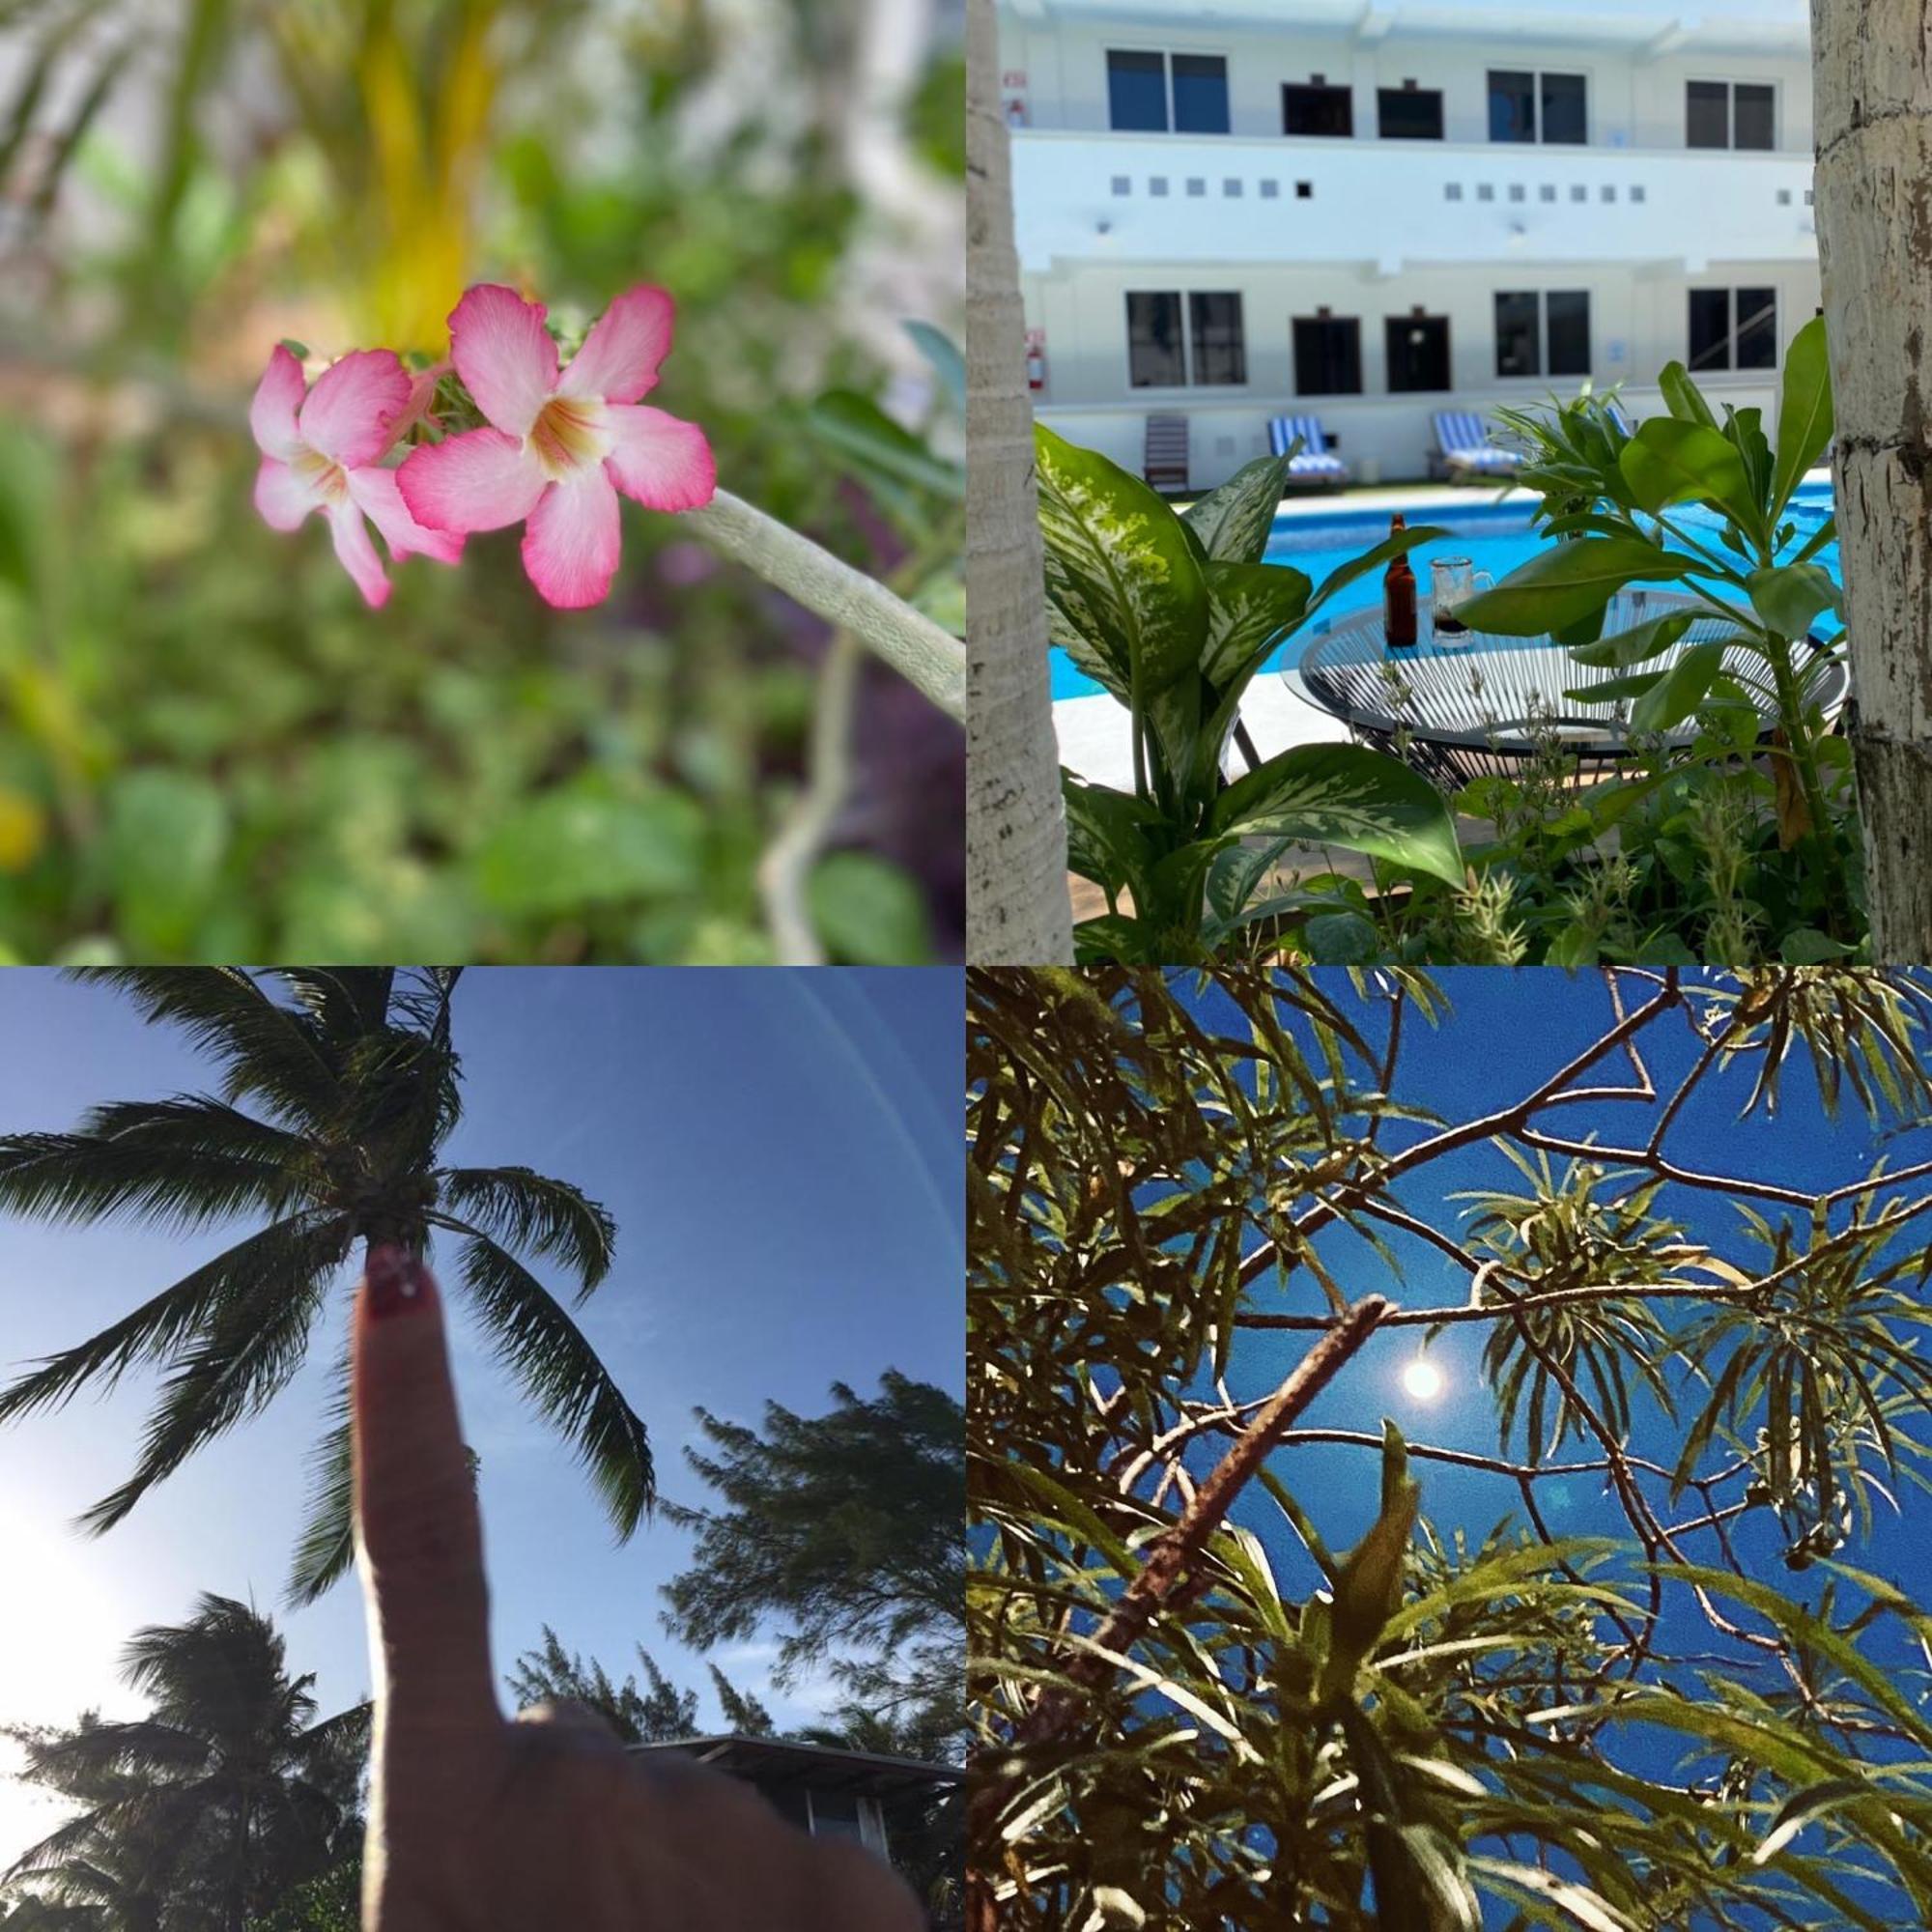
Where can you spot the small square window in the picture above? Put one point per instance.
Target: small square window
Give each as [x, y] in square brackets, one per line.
[1452, 190]
[1196, 186]
[1637, 193]
[1231, 189]
[1607, 192]
[1578, 193]
[1807, 197]
[1548, 191]
[1485, 192]
[1158, 184]
[1515, 190]
[1304, 190]
[1784, 197]
[1122, 185]
[1270, 191]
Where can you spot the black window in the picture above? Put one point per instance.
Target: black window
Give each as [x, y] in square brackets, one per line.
[1327, 355]
[1200, 94]
[1137, 91]
[1710, 328]
[1569, 332]
[1512, 106]
[1563, 114]
[1418, 352]
[1156, 356]
[1318, 110]
[1220, 349]
[1517, 352]
[1409, 113]
[835, 1814]
[1707, 114]
[1757, 329]
[1754, 108]
[790, 1803]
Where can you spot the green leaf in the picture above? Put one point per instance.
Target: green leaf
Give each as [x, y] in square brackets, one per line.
[948, 363]
[1250, 608]
[1341, 939]
[857, 428]
[1642, 641]
[1672, 461]
[1348, 796]
[1106, 833]
[1804, 411]
[1790, 597]
[1801, 1808]
[299, 350]
[1682, 398]
[1807, 946]
[1233, 523]
[1679, 691]
[869, 911]
[573, 848]
[166, 835]
[1567, 582]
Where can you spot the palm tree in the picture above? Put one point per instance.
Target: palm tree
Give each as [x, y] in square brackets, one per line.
[353, 1086]
[223, 1796]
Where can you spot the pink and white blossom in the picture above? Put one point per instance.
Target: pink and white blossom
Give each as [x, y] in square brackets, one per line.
[562, 443]
[322, 450]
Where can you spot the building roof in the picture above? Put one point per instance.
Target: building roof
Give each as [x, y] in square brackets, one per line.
[1661, 26]
[823, 1765]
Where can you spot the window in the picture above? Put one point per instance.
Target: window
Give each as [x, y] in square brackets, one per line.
[1544, 334]
[1220, 348]
[835, 1814]
[1727, 333]
[1317, 110]
[1138, 92]
[1418, 352]
[1327, 355]
[1517, 349]
[790, 1803]
[1513, 95]
[1568, 331]
[1200, 94]
[1158, 356]
[1718, 115]
[1408, 113]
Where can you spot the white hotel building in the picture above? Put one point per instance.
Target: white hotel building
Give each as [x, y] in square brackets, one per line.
[1369, 210]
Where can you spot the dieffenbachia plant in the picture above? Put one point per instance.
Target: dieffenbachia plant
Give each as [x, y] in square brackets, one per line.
[1172, 615]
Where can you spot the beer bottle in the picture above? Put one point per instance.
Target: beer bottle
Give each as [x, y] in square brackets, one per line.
[1398, 597]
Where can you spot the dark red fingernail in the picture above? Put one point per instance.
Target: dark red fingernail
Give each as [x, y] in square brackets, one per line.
[397, 1282]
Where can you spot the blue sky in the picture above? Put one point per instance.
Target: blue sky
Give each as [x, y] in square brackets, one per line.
[780, 1151]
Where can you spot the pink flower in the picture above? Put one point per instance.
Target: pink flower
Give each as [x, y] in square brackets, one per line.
[324, 454]
[562, 445]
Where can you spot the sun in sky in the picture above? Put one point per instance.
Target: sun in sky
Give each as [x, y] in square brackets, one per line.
[1422, 1379]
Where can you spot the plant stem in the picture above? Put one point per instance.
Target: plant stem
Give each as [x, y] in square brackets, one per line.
[929, 659]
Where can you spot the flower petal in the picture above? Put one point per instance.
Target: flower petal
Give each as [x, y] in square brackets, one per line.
[353, 410]
[620, 355]
[374, 491]
[666, 464]
[571, 543]
[357, 554]
[477, 482]
[272, 414]
[505, 357]
[282, 496]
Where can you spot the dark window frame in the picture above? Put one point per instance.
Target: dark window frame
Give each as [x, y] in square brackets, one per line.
[1177, 346]
[1436, 323]
[1188, 333]
[1384, 95]
[1346, 96]
[1740, 331]
[1730, 144]
[1342, 328]
[1538, 78]
[1170, 91]
[1543, 358]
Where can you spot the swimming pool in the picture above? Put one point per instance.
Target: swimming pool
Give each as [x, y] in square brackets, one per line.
[1496, 536]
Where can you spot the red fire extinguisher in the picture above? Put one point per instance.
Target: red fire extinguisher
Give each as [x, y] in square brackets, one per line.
[1035, 360]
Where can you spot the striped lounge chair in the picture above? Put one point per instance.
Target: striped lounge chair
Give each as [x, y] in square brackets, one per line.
[1619, 415]
[1165, 466]
[1315, 462]
[1465, 449]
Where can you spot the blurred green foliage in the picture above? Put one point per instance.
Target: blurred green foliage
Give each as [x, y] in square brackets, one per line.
[209, 750]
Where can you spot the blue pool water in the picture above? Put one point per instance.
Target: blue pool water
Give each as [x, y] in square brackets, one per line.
[1496, 537]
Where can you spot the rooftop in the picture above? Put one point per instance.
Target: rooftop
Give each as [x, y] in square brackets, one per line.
[828, 1768]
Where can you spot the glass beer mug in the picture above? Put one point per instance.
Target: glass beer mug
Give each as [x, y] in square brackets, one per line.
[1454, 580]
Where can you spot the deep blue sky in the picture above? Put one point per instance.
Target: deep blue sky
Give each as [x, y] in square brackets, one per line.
[1507, 1032]
[782, 1153]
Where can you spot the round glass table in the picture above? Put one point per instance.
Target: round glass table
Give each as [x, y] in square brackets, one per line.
[1471, 705]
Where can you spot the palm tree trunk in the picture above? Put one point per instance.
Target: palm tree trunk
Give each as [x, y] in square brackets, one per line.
[1873, 90]
[1017, 909]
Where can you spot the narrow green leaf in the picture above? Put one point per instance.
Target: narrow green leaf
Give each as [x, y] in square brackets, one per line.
[1568, 580]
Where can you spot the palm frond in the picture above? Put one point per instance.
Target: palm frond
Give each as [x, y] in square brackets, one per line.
[163, 1323]
[142, 1747]
[269, 1052]
[328, 1545]
[348, 1002]
[256, 1342]
[531, 1212]
[560, 1371]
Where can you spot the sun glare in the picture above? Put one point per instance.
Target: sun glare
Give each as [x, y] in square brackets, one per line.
[1422, 1379]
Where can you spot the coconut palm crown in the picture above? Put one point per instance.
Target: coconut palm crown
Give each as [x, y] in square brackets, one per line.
[338, 1088]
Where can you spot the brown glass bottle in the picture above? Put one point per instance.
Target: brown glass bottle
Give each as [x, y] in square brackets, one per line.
[1398, 597]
